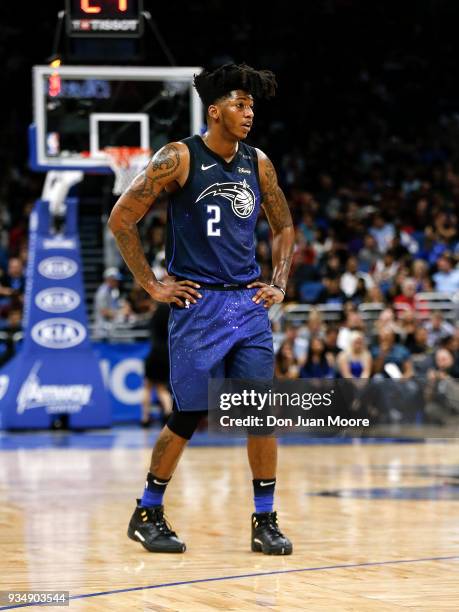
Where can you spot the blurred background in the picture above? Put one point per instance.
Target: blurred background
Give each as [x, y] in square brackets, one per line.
[364, 134]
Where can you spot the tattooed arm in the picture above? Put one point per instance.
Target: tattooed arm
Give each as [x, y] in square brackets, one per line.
[169, 165]
[280, 221]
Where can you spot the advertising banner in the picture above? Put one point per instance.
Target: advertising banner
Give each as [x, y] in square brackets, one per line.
[56, 371]
[122, 368]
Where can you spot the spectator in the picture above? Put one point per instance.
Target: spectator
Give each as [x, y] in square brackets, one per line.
[445, 227]
[109, 307]
[298, 342]
[407, 325]
[5, 291]
[14, 278]
[140, 302]
[437, 329]
[368, 254]
[360, 293]
[353, 323]
[406, 299]
[321, 244]
[307, 227]
[442, 390]
[12, 286]
[374, 295]
[333, 267]
[331, 346]
[350, 278]
[286, 365]
[385, 270]
[156, 239]
[356, 362]
[331, 293]
[317, 365]
[387, 351]
[446, 278]
[382, 232]
[157, 367]
[452, 345]
[13, 325]
[386, 320]
[420, 274]
[420, 351]
[315, 325]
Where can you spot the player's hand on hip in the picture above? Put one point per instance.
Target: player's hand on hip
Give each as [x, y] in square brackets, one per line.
[183, 293]
[267, 293]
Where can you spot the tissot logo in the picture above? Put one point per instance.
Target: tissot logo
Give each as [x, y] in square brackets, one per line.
[57, 300]
[58, 333]
[240, 195]
[57, 268]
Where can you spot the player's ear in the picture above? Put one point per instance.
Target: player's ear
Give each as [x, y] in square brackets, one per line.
[213, 111]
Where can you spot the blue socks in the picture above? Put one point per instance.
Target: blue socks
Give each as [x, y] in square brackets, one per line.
[154, 491]
[263, 494]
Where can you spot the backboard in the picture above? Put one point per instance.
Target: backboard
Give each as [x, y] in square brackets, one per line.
[80, 110]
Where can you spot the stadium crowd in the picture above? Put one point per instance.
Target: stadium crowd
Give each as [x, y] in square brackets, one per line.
[386, 235]
[369, 161]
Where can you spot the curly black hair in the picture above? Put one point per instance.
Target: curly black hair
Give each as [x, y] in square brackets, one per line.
[217, 84]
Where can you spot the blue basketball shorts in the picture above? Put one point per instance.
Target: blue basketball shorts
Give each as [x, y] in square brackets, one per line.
[224, 335]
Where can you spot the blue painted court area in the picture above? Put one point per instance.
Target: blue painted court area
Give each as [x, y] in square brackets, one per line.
[251, 575]
[424, 471]
[135, 437]
[435, 492]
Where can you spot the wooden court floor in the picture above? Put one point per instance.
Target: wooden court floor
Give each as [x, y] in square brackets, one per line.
[374, 528]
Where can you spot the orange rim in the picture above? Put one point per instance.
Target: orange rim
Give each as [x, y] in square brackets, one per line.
[122, 155]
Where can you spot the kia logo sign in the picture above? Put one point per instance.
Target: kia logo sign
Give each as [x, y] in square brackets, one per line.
[58, 333]
[57, 300]
[57, 268]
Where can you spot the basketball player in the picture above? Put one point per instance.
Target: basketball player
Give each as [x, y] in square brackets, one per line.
[218, 324]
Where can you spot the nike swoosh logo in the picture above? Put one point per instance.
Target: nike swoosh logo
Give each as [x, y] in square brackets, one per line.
[265, 484]
[162, 484]
[207, 167]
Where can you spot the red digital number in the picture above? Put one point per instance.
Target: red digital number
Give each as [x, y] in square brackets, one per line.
[87, 8]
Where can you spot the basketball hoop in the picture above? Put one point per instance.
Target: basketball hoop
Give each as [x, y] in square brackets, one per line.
[126, 163]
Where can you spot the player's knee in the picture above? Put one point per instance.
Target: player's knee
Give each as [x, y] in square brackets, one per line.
[184, 424]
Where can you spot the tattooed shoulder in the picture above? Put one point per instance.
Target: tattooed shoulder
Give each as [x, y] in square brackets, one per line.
[166, 161]
[163, 168]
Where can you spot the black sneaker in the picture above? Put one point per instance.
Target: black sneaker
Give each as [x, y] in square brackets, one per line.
[266, 535]
[149, 527]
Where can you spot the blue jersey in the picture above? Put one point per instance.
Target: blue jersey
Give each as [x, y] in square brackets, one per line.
[212, 218]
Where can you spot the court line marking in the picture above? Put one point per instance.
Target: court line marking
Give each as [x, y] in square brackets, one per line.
[252, 575]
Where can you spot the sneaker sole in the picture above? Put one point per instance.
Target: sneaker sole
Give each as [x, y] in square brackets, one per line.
[273, 551]
[131, 534]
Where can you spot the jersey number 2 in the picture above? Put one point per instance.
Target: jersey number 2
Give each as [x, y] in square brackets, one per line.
[215, 216]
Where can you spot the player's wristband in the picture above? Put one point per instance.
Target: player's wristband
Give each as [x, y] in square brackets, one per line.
[277, 287]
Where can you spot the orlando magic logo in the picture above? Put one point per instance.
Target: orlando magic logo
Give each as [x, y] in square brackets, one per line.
[240, 195]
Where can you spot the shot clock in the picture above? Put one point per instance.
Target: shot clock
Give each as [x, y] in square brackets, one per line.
[102, 18]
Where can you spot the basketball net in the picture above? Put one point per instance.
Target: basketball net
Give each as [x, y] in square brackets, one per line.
[126, 163]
